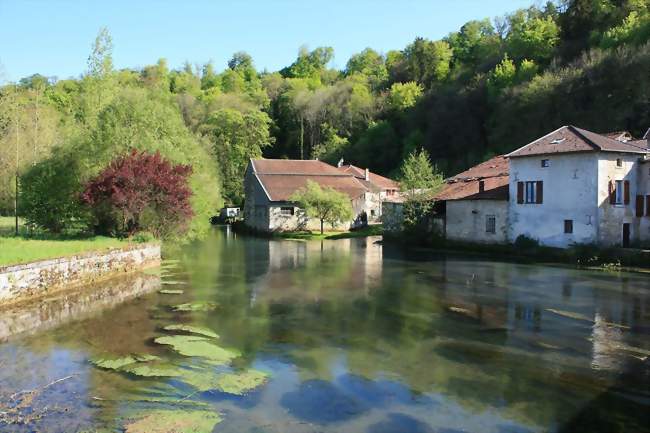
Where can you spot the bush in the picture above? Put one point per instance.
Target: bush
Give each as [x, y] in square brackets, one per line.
[143, 237]
[49, 195]
[140, 191]
[525, 243]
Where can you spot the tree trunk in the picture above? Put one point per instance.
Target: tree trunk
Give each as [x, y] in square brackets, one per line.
[321, 226]
[302, 138]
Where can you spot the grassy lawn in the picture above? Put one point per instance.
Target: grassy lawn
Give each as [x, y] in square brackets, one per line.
[22, 249]
[374, 230]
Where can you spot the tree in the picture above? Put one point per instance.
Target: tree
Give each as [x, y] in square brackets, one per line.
[419, 181]
[404, 95]
[427, 62]
[370, 64]
[326, 204]
[236, 137]
[140, 191]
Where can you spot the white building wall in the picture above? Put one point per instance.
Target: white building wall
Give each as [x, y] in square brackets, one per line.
[643, 183]
[571, 191]
[612, 217]
[466, 220]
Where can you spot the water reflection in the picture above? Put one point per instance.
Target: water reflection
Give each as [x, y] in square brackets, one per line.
[365, 337]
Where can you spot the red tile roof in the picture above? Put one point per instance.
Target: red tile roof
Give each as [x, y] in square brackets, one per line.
[280, 178]
[380, 181]
[465, 186]
[569, 139]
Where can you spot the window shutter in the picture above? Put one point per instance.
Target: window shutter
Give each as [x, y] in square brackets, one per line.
[612, 193]
[639, 206]
[626, 192]
[520, 192]
[540, 191]
[647, 205]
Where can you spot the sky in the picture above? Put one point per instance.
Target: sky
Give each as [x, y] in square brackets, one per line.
[54, 37]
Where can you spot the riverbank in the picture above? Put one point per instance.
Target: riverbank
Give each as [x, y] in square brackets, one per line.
[33, 280]
[582, 256]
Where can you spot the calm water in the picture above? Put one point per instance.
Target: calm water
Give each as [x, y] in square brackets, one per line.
[355, 336]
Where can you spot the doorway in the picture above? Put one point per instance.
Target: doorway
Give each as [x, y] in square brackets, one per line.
[626, 235]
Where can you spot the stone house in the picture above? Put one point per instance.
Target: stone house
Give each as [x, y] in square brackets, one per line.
[269, 184]
[474, 203]
[571, 186]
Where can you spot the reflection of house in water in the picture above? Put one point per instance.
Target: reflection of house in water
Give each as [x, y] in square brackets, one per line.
[316, 270]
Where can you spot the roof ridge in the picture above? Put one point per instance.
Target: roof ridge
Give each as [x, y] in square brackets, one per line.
[579, 132]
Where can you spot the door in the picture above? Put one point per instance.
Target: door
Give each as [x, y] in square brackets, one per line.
[626, 235]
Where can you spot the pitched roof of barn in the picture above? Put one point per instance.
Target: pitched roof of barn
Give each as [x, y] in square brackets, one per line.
[280, 178]
[379, 181]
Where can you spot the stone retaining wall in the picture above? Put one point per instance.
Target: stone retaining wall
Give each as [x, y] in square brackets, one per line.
[36, 279]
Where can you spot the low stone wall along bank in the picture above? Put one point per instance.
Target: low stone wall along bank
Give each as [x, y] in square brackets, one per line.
[32, 280]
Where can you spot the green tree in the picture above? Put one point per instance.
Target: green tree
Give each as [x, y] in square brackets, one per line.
[419, 181]
[532, 35]
[428, 62]
[502, 77]
[236, 137]
[370, 64]
[326, 204]
[404, 95]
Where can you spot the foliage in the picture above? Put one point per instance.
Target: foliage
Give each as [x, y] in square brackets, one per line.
[324, 203]
[140, 191]
[419, 181]
[165, 421]
[404, 95]
[199, 347]
[192, 330]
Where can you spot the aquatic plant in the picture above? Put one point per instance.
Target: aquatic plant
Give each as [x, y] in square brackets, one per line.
[178, 421]
[171, 292]
[192, 330]
[199, 347]
[195, 306]
[149, 370]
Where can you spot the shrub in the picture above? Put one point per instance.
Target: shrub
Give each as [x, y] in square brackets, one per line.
[49, 195]
[140, 191]
[525, 243]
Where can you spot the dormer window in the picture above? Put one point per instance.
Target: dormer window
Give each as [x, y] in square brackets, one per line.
[545, 163]
[619, 163]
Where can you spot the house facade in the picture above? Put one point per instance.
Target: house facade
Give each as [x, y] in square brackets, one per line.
[270, 183]
[571, 186]
[574, 186]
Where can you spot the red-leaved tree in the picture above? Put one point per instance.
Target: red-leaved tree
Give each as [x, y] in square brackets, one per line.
[140, 191]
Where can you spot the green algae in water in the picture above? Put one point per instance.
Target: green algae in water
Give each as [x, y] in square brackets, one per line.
[171, 292]
[113, 363]
[178, 421]
[231, 383]
[196, 306]
[199, 347]
[192, 330]
[148, 370]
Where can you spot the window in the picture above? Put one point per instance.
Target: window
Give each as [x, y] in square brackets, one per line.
[545, 163]
[618, 192]
[568, 226]
[288, 211]
[530, 192]
[490, 224]
[619, 162]
[372, 212]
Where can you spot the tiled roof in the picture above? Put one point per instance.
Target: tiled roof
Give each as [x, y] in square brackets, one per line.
[281, 187]
[380, 181]
[569, 139]
[280, 178]
[465, 185]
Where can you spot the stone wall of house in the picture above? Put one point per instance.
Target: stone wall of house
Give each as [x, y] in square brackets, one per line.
[36, 279]
[571, 188]
[392, 216]
[466, 220]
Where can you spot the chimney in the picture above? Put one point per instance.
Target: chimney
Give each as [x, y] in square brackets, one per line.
[340, 164]
[481, 185]
[367, 174]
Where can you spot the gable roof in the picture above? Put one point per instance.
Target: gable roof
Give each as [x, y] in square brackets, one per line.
[280, 178]
[570, 139]
[379, 181]
[465, 186]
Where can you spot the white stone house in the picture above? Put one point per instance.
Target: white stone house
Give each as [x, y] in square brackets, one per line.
[574, 186]
[571, 186]
[474, 203]
[269, 184]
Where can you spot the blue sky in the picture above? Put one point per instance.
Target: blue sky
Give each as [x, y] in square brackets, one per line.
[53, 37]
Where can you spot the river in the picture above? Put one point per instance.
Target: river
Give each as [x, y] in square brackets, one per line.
[336, 336]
